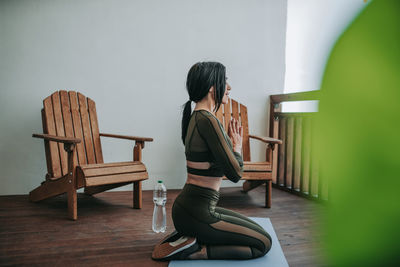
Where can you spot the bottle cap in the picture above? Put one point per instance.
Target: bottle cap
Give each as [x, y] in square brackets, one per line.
[159, 181]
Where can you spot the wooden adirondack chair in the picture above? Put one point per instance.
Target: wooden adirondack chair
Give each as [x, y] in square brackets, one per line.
[74, 156]
[255, 173]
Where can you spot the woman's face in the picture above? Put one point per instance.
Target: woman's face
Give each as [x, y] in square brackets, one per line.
[225, 98]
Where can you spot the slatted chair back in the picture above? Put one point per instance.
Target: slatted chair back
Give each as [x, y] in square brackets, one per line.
[70, 114]
[233, 109]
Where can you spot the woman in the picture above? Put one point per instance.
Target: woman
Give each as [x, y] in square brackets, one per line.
[203, 230]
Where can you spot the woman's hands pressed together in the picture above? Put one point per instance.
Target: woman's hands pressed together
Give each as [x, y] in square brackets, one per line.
[235, 133]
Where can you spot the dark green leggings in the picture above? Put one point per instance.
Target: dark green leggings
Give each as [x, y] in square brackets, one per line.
[226, 234]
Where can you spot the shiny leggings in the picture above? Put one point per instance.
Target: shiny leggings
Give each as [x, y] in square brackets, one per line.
[226, 234]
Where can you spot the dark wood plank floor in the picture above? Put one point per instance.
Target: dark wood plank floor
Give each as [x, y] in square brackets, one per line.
[109, 232]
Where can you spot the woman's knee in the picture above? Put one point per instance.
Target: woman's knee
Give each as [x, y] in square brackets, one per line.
[260, 251]
[268, 245]
[257, 252]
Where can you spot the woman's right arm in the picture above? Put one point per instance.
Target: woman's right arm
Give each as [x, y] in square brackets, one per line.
[230, 161]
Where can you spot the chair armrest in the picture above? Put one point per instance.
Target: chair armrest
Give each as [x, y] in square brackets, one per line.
[266, 139]
[135, 138]
[61, 139]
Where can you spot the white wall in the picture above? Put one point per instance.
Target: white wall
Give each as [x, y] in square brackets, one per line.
[313, 26]
[132, 58]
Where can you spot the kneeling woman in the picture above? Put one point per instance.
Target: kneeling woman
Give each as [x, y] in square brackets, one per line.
[203, 230]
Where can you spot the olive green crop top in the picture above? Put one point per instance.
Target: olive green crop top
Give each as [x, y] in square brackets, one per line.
[207, 141]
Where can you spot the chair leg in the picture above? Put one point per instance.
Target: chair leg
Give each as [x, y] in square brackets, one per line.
[72, 204]
[268, 193]
[137, 195]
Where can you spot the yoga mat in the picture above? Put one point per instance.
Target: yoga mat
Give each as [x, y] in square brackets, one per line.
[273, 258]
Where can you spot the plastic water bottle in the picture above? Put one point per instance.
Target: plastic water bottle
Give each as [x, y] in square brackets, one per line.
[159, 213]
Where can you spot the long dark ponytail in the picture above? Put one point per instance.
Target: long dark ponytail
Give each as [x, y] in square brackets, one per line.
[201, 77]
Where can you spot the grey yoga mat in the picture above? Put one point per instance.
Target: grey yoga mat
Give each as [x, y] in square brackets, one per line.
[273, 258]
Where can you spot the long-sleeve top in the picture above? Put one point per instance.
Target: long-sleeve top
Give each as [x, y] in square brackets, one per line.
[209, 150]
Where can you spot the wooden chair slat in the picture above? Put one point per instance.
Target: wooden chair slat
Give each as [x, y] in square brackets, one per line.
[282, 152]
[227, 114]
[51, 129]
[118, 178]
[220, 114]
[67, 117]
[106, 165]
[297, 153]
[257, 162]
[257, 176]
[235, 110]
[114, 170]
[76, 121]
[87, 132]
[59, 123]
[289, 151]
[260, 167]
[46, 145]
[245, 126]
[95, 131]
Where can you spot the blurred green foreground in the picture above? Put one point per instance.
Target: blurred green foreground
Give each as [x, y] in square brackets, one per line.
[359, 140]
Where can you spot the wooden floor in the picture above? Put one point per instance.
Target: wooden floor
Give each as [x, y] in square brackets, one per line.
[109, 232]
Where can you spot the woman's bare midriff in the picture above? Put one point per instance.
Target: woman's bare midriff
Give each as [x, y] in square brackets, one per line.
[208, 182]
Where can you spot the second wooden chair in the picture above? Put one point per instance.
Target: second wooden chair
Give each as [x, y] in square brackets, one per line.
[255, 173]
